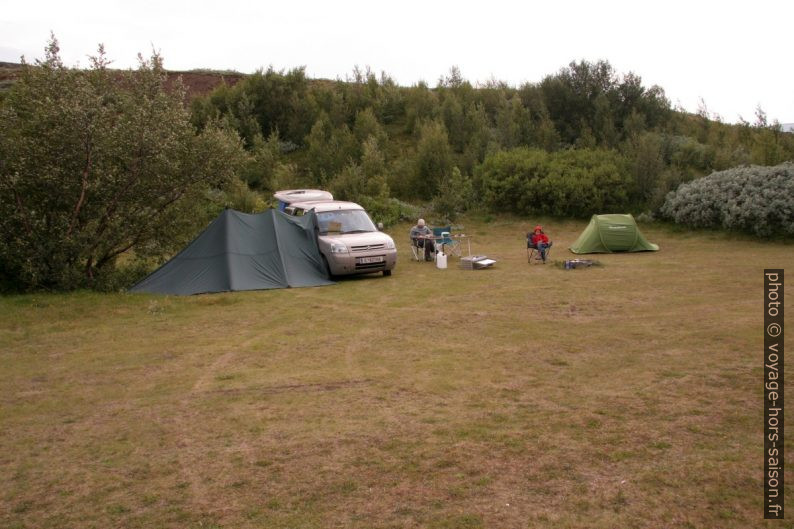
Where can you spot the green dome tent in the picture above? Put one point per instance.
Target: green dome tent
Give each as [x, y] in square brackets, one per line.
[612, 233]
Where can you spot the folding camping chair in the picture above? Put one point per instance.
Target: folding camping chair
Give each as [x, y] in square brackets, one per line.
[443, 237]
[532, 250]
[417, 251]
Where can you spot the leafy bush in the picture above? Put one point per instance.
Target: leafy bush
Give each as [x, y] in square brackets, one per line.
[756, 199]
[408, 212]
[240, 197]
[454, 196]
[433, 157]
[122, 276]
[382, 209]
[352, 183]
[566, 183]
[643, 153]
[96, 163]
[687, 153]
[389, 211]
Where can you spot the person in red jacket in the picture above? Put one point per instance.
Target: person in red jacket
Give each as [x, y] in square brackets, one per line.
[540, 240]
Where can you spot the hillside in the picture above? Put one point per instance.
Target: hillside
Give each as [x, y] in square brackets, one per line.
[457, 146]
[8, 73]
[197, 82]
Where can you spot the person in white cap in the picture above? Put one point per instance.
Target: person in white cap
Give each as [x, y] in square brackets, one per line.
[421, 236]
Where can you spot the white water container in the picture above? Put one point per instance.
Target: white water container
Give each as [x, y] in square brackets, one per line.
[441, 260]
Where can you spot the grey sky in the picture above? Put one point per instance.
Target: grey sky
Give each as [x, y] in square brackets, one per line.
[733, 55]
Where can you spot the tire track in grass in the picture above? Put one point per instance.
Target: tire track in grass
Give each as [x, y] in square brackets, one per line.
[190, 453]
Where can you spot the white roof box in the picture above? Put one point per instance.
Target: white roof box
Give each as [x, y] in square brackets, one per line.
[301, 195]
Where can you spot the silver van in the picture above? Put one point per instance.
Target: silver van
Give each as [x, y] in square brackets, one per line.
[349, 241]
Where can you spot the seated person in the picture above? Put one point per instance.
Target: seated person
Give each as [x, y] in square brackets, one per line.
[421, 236]
[539, 240]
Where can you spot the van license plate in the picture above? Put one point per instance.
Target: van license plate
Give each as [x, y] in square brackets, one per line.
[366, 260]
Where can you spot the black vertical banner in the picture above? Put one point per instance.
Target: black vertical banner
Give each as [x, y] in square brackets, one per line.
[773, 394]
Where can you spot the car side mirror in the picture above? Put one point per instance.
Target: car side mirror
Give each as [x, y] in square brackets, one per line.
[380, 226]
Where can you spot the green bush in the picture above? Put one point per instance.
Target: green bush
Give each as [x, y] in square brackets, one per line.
[566, 183]
[433, 157]
[389, 211]
[752, 198]
[454, 196]
[98, 163]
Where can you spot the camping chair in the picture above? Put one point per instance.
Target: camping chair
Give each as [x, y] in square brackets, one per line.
[418, 251]
[532, 250]
[444, 239]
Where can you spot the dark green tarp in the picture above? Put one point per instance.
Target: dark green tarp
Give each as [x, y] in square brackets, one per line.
[239, 251]
[612, 233]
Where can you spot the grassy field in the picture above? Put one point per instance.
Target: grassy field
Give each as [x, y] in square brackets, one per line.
[526, 396]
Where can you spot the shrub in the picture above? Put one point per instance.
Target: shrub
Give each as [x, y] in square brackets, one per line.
[390, 211]
[242, 198]
[566, 183]
[352, 183]
[97, 163]
[433, 156]
[382, 209]
[454, 196]
[750, 198]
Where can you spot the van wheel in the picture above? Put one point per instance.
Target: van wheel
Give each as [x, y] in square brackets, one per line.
[387, 273]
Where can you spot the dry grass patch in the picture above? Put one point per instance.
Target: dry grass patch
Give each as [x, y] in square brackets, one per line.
[524, 396]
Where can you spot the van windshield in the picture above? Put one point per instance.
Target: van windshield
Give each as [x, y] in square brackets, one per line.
[345, 221]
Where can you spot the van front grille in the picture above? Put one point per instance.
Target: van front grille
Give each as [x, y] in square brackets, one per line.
[368, 247]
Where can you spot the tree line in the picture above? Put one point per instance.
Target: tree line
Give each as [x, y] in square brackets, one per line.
[104, 173]
[367, 136]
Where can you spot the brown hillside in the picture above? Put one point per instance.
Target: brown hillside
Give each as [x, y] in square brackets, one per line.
[202, 83]
[197, 83]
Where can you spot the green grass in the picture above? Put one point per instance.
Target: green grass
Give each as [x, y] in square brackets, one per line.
[625, 395]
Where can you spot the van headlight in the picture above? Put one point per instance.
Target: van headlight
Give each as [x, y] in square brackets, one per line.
[390, 245]
[338, 248]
